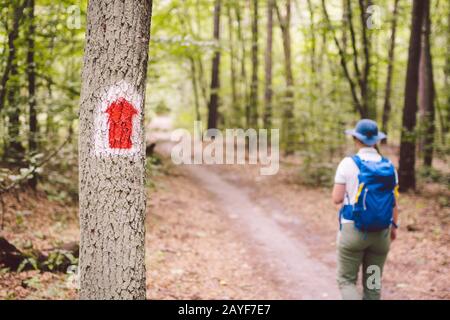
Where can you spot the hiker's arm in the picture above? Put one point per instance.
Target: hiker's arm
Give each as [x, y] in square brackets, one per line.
[395, 220]
[338, 193]
[395, 215]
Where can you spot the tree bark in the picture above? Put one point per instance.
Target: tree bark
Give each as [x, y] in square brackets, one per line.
[407, 178]
[112, 188]
[213, 105]
[253, 116]
[268, 68]
[426, 90]
[391, 57]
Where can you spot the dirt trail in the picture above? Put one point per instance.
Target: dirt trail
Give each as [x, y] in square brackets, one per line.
[285, 258]
[288, 259]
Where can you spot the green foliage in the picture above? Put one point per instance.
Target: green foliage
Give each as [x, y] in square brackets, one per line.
[317, 173]
[181, 50]
[28, 261]
[32, 282]
[434, 175]
[58, 258]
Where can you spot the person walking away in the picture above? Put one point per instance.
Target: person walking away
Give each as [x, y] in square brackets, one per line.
[366, 185]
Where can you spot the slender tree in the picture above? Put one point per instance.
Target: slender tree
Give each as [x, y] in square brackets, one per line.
[390, 70]
[426, 90]
[288, 109]
[213, 105]
[268, 67]
[343, 61]
[112, 189]
[195, 88]
[233, 72]
[242, 59]
[15, 153]
[253, 111]
[359, 82]
[368, 106]
[407, 178]
[12, 51]
[31, 73]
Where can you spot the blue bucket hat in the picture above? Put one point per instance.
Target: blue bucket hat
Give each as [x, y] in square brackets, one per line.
[366, 131]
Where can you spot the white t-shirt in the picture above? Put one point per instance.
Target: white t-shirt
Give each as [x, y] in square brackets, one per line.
[347, 173]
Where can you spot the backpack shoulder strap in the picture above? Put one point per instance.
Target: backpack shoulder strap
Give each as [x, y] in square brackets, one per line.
[357, 160]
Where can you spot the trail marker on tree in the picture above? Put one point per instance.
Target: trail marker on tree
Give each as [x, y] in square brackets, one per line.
[118, 119]
[112, 150]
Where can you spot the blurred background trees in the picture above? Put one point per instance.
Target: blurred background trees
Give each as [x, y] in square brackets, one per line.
[310, 68]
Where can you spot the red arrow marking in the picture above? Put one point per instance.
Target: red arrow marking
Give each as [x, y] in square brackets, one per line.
[120, 123]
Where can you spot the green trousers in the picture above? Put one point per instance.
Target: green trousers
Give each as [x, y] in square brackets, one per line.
[356, 249]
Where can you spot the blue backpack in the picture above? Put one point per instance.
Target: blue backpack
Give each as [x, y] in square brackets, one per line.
[375, 199]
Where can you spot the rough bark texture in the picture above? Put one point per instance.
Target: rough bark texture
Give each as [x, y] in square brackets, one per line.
[407, 179]
[112, 190]
[213, 105]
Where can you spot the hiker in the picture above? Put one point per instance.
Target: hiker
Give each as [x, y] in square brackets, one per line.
[366, 186]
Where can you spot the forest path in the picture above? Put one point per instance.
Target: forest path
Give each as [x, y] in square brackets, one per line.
[273, 247]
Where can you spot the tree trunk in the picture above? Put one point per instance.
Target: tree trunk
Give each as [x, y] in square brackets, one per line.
[426, 90]
[268, 68]
[12, 36]
[368, 104]
[31, 73]
[288, 110]
[112, 171]
[446, 122]
[215, 83]
[233, 77]
[253, 116]
[353, 87]
[195, 89]
[16, 151]
[243, 73]
[407, 178]
[391, 56]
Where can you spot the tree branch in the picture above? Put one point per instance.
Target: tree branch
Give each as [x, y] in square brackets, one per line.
[356, 101]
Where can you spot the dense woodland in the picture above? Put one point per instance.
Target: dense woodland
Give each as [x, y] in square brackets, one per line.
[310, 68]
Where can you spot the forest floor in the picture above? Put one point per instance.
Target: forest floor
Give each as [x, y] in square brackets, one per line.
[225, 232]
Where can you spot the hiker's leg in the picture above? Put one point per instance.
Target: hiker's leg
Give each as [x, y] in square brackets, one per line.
[373, 263]
[350, 254]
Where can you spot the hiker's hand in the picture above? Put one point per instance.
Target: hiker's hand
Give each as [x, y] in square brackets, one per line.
[393, 234]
